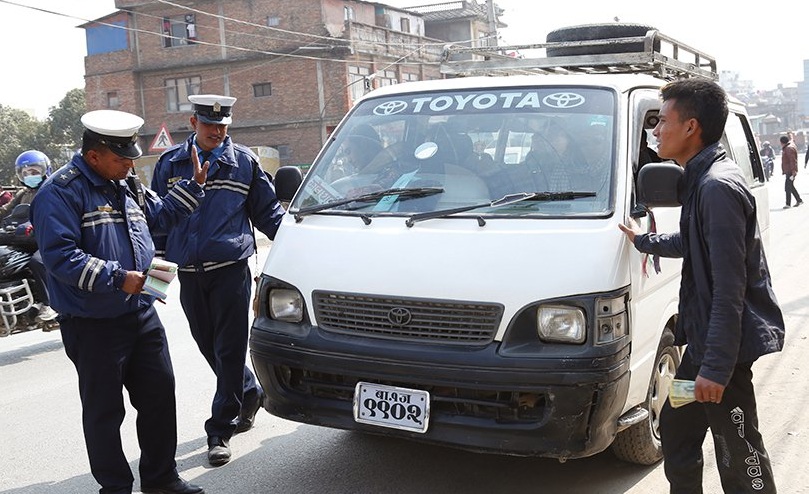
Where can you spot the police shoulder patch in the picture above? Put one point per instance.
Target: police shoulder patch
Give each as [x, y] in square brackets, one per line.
[64, 175]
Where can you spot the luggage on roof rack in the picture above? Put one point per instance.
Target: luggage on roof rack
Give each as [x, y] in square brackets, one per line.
[578, 50]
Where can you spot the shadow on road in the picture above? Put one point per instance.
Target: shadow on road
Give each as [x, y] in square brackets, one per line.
[25, 353]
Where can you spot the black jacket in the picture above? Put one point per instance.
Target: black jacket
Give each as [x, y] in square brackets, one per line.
[728, 313]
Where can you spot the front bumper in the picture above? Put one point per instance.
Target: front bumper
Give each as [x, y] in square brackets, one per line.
[480, 400]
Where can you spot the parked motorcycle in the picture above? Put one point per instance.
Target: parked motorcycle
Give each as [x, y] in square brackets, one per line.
[19, 307]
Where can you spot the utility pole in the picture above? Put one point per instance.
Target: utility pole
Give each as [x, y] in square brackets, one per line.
[492, 22]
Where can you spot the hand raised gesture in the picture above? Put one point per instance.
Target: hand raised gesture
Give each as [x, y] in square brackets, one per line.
[200, 171]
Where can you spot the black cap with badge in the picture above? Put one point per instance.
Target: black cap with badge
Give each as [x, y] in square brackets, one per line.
[213, 108]
[115, 129]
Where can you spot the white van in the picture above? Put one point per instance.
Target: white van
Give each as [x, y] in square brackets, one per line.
[451, 268]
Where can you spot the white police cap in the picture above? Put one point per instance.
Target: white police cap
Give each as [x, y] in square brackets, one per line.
[115, 129]
[213, 108]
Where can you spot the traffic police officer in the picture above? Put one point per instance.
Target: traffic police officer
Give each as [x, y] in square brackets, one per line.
[93, 232]
[212, 249]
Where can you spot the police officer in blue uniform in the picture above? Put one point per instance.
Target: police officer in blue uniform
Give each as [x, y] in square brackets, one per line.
[92, 222]
[212, 249]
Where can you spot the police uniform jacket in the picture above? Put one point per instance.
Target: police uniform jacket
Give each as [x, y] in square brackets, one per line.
[90, 231]
[237, 192]
[728, 311]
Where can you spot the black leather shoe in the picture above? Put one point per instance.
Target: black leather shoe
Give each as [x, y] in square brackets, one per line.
[247, 416]
[218, 451]
[178, 486]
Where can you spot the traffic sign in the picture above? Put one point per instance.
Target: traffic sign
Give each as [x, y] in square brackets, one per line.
[162, 140]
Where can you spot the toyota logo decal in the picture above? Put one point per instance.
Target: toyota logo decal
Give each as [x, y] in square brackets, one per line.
[399, 316]
[390, 107]
[563, 100]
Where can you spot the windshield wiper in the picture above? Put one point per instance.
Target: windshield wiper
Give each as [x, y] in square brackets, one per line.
[503, 201]
[371, 196]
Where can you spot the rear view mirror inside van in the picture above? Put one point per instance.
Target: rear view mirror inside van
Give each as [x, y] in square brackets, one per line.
[658, 183]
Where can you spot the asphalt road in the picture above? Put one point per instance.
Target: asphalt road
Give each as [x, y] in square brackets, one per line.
[43, 449]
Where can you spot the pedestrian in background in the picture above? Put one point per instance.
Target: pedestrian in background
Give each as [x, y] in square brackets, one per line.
[789, 166]
[728, 314]
[212, 249]
[93, 232]
[806, 158]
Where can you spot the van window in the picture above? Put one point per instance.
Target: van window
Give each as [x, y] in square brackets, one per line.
[735, 141]
[477, 146]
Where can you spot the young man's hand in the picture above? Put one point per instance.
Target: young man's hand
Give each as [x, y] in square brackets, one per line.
[708, 391]
[631, 228]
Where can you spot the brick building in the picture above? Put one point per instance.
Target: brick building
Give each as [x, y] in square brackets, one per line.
[295, 67]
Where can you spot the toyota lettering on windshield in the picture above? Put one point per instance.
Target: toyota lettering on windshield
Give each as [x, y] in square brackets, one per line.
[573, 100]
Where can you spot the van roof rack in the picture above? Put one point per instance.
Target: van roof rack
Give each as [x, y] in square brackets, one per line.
[639, 55]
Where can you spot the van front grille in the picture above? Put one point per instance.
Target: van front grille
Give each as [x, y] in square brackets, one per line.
[407, 319]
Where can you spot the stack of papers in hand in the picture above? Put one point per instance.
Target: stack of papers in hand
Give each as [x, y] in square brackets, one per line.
[158, 277]
[681, 392]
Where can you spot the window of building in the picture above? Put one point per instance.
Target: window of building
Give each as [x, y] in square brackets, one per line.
[273, 21]
[355, 79]
[180, 30]
[177, 92]
[112, 100]
[408, 77]
[387, 78]
[262, 89]
[405, 24]
[348, 13]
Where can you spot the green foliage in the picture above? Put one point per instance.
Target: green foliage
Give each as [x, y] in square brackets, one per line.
[59, 136]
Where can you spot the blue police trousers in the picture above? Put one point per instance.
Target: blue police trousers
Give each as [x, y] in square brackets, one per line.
[130, 351]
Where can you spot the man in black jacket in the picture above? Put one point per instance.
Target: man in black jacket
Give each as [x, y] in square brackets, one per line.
[728, 314]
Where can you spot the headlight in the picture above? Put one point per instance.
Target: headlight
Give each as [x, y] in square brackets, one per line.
[561, 323]
[285, 305]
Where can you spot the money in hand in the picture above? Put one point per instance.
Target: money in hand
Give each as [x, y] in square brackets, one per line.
[681, 392]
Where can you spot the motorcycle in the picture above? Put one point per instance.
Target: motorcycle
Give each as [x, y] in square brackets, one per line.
[769, 164]
[19, 307]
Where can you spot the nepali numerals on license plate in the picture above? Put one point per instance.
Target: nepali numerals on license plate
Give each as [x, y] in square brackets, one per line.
[390, 406]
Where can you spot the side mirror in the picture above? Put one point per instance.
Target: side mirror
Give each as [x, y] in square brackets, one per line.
[658, 184]
[287, 181]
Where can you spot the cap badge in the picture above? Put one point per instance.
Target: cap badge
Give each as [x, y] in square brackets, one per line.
[217, 107]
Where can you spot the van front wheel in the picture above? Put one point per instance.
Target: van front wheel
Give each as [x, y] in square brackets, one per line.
[640, 443]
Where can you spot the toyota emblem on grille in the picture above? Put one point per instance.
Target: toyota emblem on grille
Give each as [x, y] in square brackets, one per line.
[399, 316]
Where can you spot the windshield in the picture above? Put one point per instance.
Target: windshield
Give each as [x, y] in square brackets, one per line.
[476, 147]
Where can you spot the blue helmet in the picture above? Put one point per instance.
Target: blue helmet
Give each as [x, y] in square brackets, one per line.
[32, 167]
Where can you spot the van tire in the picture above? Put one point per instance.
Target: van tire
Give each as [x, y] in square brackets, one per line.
[588, 32]
[640, 443]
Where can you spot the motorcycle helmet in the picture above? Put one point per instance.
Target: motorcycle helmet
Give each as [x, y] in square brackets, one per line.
[32, 167]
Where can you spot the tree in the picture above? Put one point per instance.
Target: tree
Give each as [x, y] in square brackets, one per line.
[65, 126]
[21, 131]
[59, 136]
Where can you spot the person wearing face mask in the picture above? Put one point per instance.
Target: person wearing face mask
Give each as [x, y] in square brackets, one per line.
[32, 167]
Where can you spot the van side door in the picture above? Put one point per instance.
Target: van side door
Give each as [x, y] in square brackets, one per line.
[740, 143]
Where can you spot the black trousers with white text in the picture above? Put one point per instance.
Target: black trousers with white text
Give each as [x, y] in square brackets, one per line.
[741, 459]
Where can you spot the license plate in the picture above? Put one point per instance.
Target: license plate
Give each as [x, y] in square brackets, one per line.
[390, 406]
